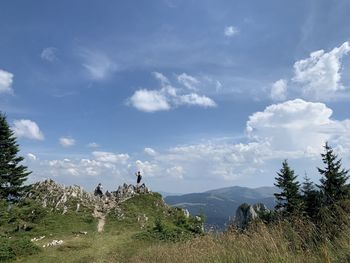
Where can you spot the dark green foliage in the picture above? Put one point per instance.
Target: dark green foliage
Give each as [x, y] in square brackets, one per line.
[333, 183]
[289, 199]
[21, 216]
[17, 247]
[311, 198]
[12, 173]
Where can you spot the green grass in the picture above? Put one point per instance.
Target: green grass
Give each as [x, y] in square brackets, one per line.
[119, 241]
[166, 236]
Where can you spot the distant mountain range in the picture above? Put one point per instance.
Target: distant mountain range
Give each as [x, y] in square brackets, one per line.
[220, 205]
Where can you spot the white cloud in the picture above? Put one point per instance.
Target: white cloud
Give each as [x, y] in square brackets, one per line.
[195, 99]
[149, 101]
[163, 79]
[49, 54]
[6, 80]
[188, 81]
[93, 145]
[111, 157]
[150, 152]
[294, 129]
[67, 141]
[27, 129]
[176, 171]
[295, 126]
[98, 65]
[279, 90]
[231, 31]
[320, 74]
[31, 156]
[168, 96]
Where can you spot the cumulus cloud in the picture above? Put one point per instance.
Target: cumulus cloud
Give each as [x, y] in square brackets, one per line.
[317, 77]
[6, 80]
[49, 54]
[149, 100]
[279, 90]
[295, 126]
[231, 31]
[294, 129]
[320, 73]
[27, 129]
[168, 96]
[66, 141]
[98, 65]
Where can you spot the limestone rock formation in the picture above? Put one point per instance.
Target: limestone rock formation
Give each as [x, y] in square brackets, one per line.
[246, 213]
[126, 191]
[59, 197]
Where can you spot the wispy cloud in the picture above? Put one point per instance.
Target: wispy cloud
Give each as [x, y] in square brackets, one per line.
[49, 54]
[93, 145]
[188, 81]
[6, 80]
[231, 31]
[98, 65]
[67, 141]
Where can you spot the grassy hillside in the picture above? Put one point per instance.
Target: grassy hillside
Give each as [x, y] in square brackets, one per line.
[136, 223]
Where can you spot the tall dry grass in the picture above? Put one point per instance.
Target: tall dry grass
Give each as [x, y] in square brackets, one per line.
[282, 242]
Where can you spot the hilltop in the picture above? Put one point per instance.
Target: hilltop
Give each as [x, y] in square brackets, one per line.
[68, 224]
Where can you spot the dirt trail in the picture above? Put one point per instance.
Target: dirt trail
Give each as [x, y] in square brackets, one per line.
[102, 208]
[101, 217]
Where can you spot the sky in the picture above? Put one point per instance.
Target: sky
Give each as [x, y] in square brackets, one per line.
[196, 95]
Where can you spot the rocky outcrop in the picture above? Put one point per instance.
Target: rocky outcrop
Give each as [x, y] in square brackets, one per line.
[246, 213]
[126, 191]
[62, 198]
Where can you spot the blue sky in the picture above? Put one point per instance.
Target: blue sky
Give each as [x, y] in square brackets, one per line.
[195, 94]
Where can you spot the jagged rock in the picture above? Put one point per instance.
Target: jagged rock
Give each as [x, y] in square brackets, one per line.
[59, 197]
[126, 191]
[246, 213]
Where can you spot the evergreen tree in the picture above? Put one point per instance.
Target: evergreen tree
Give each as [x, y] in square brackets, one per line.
[311, 198]
[333, 184]
[289, 199]
[12, 173]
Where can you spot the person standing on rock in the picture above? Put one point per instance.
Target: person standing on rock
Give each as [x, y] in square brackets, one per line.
[139, 177]
[98, 190]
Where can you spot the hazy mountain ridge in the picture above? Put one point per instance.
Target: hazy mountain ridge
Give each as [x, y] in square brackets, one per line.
[219, 205]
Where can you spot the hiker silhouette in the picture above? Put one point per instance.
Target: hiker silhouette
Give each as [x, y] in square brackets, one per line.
[98, 190]
[139, 177]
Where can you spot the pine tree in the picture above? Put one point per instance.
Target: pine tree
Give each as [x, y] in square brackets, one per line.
[289, 199]
[12, 173]
[333, 184]
[311, 198]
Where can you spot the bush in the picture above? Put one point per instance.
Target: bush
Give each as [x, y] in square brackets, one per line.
[12, 248]
[6, 251]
